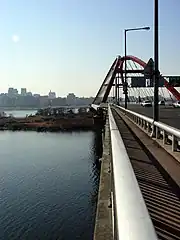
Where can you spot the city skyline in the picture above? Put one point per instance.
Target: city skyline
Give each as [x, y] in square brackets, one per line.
[29, 92]
[25, 99]
[69, 46]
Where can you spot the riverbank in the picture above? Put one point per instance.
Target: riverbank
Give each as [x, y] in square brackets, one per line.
[48, 124]
[2, 108]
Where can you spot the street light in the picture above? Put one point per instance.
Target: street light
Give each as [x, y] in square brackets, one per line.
[156, 63]
[125, 79]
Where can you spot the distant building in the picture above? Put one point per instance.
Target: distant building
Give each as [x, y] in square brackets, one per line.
[36, 95]
[29, 94]
[58, 101]
[15, 91]
[23, 91]
[84, 101]
[52, 95]
[12, 92]
[44, 101]
[71, 99]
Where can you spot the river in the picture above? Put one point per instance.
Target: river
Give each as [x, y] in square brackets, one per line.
[24, 113]
[20, 113]
[48, 185]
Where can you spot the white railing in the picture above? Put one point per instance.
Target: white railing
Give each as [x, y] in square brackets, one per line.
[95, 106]
[131, 218]
[158, 130]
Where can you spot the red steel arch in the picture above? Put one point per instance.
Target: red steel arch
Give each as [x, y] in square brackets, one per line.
[117, 67]
[171, 89]
[135, 59]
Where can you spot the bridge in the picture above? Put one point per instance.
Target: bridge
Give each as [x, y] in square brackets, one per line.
[139, 191]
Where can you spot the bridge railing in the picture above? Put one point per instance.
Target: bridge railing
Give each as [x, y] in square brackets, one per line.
[95, 106]
[158, 130]
[131, 220]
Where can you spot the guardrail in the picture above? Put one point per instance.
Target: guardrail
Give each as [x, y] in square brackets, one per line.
[158, 130]
[95, 106]
[131, 218]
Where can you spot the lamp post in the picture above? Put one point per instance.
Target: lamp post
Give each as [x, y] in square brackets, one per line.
[125, 55]
[156, 64]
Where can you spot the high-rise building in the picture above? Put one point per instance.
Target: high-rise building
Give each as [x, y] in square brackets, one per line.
[52, 95]
[12, 92]
[23, 91]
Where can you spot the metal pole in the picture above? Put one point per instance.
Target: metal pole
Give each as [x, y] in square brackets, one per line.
[125, 77]
[113, 93]
[125, 89]
[156, 63]
[116, 90]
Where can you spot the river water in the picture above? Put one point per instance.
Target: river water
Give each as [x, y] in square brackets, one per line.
[24, 113]
[48, 185]
[20, 113]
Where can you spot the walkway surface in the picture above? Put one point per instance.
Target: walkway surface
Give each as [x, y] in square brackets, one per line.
[160, 187]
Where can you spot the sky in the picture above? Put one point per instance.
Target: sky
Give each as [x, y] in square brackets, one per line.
[69, 45]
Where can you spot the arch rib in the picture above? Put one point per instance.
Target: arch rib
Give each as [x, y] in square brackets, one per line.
[116, 67]
[170, 88]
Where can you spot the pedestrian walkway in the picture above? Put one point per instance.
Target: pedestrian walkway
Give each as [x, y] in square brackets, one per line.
[161, 193]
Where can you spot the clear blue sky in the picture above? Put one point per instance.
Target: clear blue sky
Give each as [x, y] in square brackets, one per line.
[68, 45]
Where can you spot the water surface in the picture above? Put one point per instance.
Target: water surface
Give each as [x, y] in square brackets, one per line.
[20, 113]
[48, 185]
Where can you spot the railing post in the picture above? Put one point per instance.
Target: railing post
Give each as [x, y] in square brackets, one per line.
[164, 137]
[174, 143]
[157, 134]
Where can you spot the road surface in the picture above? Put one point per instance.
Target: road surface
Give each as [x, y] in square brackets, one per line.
[168, 114]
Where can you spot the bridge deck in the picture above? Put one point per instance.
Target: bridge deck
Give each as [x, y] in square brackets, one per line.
[161, 193]
[167, 114]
